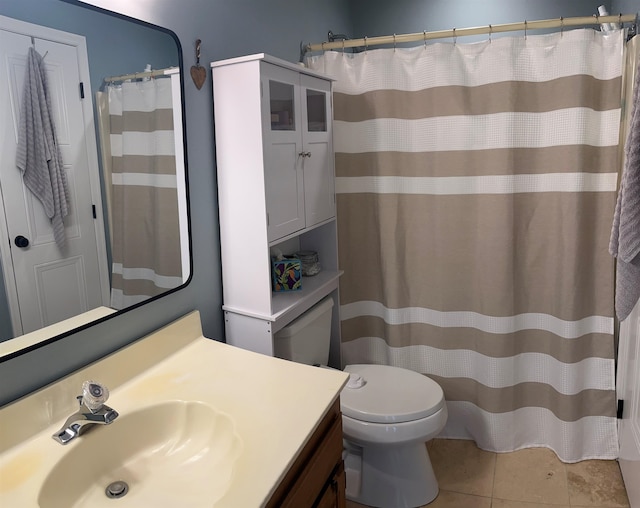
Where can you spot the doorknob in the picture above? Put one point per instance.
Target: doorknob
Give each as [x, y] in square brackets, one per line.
[21, 241]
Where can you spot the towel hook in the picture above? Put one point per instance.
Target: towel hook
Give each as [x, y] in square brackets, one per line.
[33, 45]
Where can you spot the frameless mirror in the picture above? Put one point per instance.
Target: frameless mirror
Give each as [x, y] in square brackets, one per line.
[113, 93]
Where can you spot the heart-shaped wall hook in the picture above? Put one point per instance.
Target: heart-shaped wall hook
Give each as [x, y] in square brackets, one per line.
[198, 73]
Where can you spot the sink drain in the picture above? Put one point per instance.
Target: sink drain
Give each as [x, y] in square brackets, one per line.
[116, 489]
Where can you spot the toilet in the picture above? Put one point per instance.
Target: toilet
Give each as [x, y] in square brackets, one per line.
[388, 415]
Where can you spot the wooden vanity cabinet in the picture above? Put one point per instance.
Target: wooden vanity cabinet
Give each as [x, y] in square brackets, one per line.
[316, 478]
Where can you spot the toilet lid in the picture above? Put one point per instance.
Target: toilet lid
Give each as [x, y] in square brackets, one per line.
[390, 395]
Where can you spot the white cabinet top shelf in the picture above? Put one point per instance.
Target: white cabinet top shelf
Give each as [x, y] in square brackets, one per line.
[297, 67]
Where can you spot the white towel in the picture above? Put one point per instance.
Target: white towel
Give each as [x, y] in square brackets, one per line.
[38, 155]
[625, 233]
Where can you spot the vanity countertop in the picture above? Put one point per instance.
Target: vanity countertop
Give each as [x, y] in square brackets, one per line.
[29, 339]
[275, 406]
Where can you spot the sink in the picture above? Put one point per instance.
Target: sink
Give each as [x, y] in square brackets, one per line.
[175, 453]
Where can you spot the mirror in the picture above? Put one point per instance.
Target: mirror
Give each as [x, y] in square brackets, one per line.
[116, 87]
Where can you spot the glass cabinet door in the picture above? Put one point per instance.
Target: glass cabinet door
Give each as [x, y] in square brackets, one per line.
[316, 111]
[282, 112]
[282, 106]
[318, 164]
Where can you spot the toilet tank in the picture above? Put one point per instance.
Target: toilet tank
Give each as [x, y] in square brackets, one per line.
[307, 338]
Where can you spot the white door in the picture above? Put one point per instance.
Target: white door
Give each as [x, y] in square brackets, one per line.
[46, 284]
[629, 392]
[628, 380]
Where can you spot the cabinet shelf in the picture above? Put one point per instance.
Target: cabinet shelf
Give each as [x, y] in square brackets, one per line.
[297, 234]
[313, 289]
[288, 305]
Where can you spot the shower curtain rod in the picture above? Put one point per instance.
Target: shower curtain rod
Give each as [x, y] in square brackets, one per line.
[143, 74]
[456, 32]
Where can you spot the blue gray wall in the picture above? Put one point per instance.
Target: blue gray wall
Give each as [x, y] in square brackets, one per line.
[115, 46]
[380, 17]
[625, 6]
[228, 29]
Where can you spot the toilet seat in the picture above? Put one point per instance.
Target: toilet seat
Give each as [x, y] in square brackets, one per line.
[390, 395]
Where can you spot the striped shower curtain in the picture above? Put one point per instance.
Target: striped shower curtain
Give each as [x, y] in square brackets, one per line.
[476, 188]
[145, 242]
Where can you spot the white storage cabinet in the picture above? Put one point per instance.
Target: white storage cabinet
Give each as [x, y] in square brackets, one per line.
[276, 190]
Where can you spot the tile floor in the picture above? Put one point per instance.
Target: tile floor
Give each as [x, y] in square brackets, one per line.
[533, 478]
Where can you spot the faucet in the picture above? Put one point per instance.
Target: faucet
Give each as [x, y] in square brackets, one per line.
[93, 411]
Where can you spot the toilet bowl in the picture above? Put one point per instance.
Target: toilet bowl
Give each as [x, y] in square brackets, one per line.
[388, 414]
[386, 424]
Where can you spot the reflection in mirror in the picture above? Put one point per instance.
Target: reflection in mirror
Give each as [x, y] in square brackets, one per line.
[114, 88]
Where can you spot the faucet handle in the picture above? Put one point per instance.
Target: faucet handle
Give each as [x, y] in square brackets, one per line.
[94, 395]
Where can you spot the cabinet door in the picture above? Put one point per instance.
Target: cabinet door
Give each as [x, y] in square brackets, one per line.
[281, 119]
[333, 495]
[318, 162]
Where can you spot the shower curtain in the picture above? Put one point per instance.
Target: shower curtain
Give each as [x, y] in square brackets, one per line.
[143, 201]
[476, 188]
